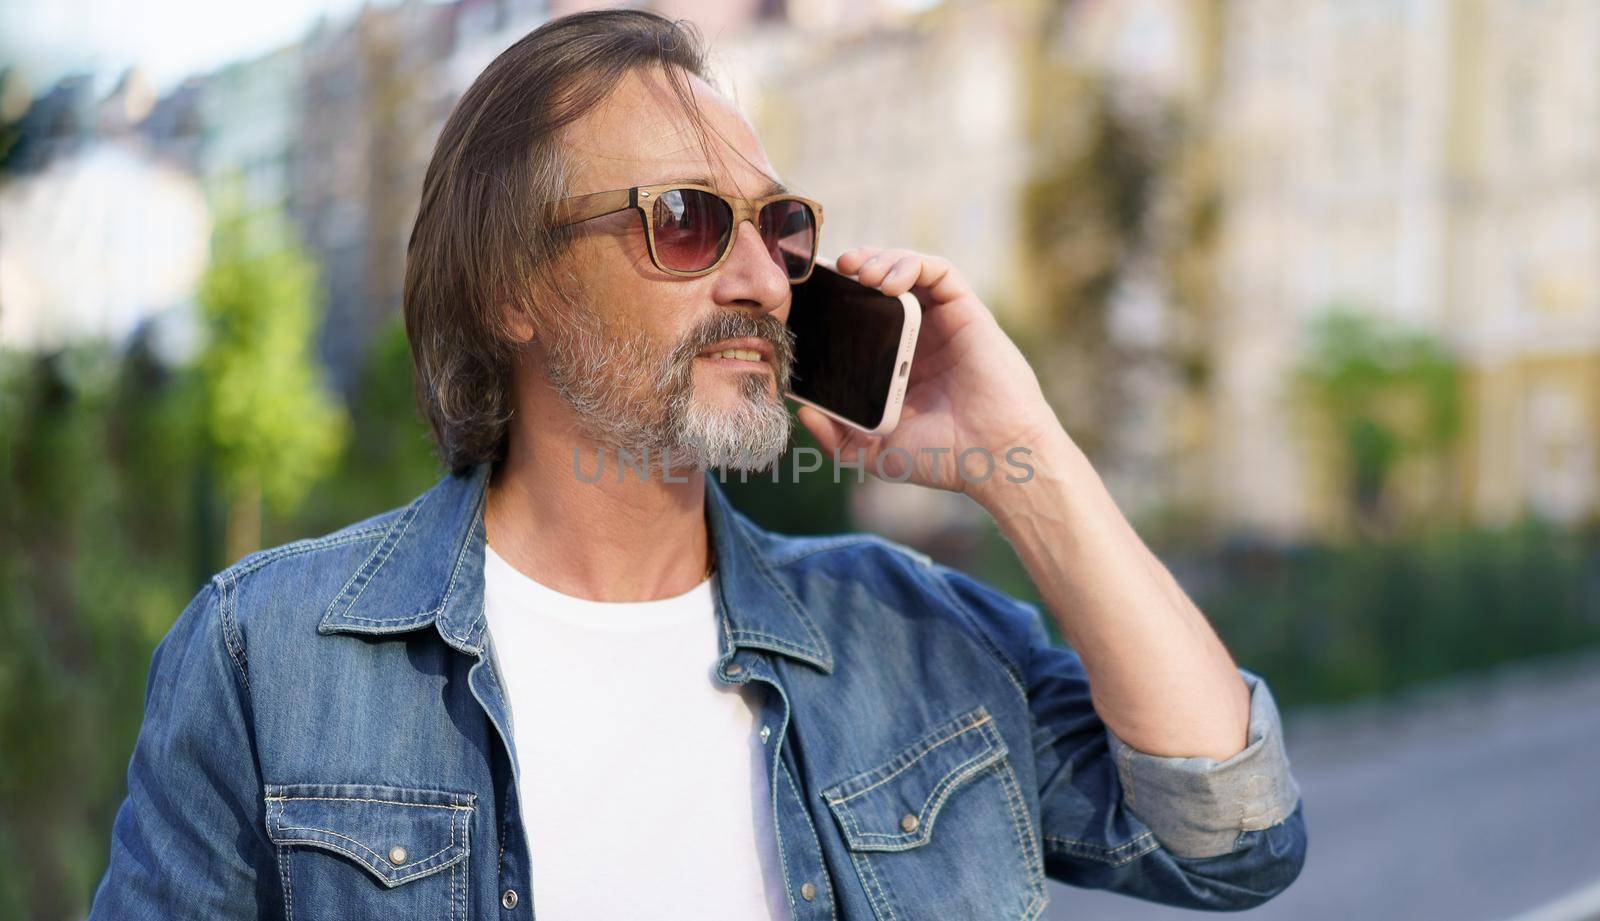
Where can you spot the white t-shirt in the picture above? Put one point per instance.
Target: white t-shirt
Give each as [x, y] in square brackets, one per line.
[644, 781]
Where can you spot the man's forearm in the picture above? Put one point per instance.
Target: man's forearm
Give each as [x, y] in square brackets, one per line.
[1159, 675]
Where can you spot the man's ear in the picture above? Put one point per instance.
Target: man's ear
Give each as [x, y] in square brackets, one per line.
[518, 323]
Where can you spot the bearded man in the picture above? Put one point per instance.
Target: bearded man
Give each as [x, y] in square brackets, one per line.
[529, 692]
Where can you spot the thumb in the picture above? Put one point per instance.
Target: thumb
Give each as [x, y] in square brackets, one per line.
[827, 432]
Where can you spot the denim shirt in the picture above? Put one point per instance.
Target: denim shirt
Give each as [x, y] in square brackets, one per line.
[325, 736]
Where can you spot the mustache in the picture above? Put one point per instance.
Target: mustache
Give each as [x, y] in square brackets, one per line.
[733, 325]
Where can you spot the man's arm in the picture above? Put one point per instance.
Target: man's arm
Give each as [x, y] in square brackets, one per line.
[1149, 740]
[189, 840]
[1193, 832]
[1159, 674]
[1196, 742]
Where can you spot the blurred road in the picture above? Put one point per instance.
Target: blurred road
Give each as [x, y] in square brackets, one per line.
[1472, 802]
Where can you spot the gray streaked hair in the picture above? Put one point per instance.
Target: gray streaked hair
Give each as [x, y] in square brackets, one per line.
[480, 244]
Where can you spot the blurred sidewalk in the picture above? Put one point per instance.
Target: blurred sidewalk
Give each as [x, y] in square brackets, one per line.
[1473, 800]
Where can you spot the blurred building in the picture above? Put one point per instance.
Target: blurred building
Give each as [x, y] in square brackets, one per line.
[1430, 162]
[1435, 163]
[251, 113]
[54, 124]
[910, 130]
[375, 93]
[906, 120]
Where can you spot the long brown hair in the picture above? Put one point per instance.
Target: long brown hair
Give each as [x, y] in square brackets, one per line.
[480, 244]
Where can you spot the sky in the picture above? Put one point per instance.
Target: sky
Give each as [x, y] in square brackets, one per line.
[168, 39]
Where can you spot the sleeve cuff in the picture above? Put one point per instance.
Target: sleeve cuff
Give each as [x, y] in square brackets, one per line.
[1198, 806]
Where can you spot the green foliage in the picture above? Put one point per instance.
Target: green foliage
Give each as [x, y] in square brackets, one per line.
[95, 500]
[1338, 622]
[273, 428]
[390, 456]
[1387, 394]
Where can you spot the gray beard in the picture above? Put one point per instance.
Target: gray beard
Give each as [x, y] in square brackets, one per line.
[632, 395]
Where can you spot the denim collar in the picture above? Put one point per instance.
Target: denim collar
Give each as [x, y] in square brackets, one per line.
[434, 551]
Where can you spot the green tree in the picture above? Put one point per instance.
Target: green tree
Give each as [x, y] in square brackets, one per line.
[1387, 395]
[96, 447]
[271, 424]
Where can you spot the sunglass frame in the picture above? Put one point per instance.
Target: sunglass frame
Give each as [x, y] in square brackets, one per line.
[642, 198]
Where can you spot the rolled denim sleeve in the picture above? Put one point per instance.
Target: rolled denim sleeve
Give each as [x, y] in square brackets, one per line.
[1198, 807]
[1190, 832]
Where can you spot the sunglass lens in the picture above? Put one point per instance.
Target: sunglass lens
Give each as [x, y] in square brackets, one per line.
[790, 232]
[690, 227]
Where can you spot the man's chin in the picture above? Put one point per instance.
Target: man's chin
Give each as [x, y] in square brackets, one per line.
[741, 436]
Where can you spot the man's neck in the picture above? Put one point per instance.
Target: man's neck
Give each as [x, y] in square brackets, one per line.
[621, 538]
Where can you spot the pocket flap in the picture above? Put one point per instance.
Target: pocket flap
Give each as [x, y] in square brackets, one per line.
[398, 834]
[894, 806]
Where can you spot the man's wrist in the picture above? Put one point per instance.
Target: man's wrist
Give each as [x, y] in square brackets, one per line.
[1038, 463]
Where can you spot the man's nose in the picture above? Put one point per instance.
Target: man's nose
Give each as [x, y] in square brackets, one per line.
[751, 275]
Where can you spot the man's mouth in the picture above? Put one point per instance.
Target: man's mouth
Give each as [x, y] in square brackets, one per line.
[739, 352]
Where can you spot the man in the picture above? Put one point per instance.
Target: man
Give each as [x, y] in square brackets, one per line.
[530, 691]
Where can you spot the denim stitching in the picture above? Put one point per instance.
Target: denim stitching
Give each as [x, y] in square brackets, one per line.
[821, 650]
[759, 638]
[306, 545]
[480, 624]
[333, 845]
[877, 894]
[286, 870]
[1100, 848]
[783, 853]
[746, 631]
[1022, 826]
[388, 802]
[465, 866]
[772, 770]
[912, 755]
[281, 802]
[455, 897]
[832, 908]
[357, 857]
[376, 856]
[1145, 840]
[929, 812]
[380, 554]
[224, 604]
[286, 874]
[399, 623]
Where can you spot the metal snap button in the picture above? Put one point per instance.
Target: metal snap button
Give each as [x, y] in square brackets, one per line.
[909, 822]
[509, 898]
[765, 731]
[397, 855]
[735, 668]
[808, 892]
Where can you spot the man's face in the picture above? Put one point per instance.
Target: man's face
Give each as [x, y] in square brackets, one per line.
[638, 363]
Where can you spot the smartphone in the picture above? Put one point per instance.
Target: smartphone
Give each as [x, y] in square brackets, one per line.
[852, 349]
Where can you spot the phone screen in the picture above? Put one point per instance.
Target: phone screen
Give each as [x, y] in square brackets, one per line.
[847, 336]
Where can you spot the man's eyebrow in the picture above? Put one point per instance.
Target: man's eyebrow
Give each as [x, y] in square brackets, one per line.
[774, 186]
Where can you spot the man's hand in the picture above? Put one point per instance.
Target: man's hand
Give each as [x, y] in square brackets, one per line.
[1160, 677]
[970, 386]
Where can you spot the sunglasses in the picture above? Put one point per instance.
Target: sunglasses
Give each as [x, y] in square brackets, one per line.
[688, 228]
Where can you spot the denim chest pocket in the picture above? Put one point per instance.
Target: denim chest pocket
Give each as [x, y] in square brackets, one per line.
[941, 829]
[363, 851]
